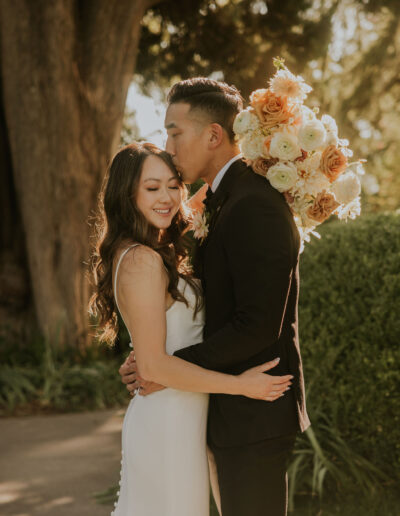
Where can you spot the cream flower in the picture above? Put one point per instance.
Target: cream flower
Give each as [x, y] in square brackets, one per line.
[252, 145]
[332, 139]
[199, 225]
[346, 188]
[350, 211]
[312, 135]
[301, 206]
[285, 146]
[329, 124]
[307, 114]
[245, 121]
[286, 84]
[312, 184]
[282, 176]
[310, 163]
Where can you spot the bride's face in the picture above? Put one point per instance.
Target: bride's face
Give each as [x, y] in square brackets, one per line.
[159, 195]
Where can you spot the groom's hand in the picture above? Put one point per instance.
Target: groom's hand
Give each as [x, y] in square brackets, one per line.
[133, 381]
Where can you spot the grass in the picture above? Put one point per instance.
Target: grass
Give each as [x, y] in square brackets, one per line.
[323, 463]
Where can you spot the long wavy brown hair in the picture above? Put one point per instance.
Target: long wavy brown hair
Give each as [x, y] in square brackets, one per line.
[120, 223]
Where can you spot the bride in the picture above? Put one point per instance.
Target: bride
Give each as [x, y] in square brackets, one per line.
[140, 269]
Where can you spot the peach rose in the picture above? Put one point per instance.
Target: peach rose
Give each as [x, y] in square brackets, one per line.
[333, 162]
[271, 109]
[261, 165]
[323, 206]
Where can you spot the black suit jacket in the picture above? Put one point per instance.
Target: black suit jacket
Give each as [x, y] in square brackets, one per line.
[249, 270]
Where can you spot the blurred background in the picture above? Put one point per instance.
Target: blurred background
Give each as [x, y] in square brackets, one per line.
[80, 78]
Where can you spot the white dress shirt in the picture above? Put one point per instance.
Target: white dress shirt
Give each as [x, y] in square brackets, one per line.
[221, 173]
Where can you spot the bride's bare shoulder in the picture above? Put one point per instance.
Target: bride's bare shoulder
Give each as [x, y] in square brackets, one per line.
[141, 259]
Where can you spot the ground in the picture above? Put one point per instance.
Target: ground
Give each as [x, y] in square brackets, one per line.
[52, 465]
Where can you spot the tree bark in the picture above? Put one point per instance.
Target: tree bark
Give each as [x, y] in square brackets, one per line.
[66, 66]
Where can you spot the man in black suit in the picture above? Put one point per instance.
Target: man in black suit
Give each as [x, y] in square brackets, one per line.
[248, 264]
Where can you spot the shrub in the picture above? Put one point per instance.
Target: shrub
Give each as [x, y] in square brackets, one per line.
[349, 317]
[46, 377]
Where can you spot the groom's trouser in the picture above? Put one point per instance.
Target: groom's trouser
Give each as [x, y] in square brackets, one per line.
[252, 478]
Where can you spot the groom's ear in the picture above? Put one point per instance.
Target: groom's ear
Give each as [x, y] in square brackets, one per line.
[216, 135]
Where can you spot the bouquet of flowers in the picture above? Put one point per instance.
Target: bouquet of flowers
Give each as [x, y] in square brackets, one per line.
[301, 156]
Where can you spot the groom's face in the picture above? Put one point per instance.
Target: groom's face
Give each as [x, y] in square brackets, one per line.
[188, 140]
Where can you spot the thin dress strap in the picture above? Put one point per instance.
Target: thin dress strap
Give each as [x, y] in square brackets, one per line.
[116, 272]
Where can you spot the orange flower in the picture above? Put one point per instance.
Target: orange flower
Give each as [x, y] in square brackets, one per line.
[271, 109]
[261, 165]
[324, 205]
[333, 162]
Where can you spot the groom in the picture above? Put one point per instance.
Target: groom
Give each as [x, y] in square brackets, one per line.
[248, 264]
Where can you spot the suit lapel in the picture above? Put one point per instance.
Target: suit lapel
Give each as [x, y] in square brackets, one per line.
[222, 194]
[215, 206]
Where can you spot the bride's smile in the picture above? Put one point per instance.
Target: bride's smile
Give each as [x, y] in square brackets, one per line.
[159, 195]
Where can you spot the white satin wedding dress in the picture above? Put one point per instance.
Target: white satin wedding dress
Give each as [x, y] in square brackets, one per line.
[164, 458]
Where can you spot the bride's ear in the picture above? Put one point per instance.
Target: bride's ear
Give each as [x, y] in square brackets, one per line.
[216, 136]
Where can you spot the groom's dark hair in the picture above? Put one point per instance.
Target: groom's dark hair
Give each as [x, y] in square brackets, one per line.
[218, 100]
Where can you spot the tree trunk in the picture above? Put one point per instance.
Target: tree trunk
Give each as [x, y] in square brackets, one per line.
[66, 67]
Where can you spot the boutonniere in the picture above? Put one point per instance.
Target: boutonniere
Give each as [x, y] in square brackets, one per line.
[200, 224]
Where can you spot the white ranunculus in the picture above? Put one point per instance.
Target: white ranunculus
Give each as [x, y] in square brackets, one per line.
[346, 188]
[282, 176]
[285, 146]
[312, 135]
[245, 121]
[252, 145]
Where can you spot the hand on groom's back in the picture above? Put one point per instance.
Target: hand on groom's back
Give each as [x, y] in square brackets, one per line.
[133, 381]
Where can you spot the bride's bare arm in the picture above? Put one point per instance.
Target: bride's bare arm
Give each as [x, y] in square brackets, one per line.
[141, 287]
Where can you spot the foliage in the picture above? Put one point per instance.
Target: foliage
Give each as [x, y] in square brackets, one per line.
[350, 334]
[46, 378]
[324, 463]
[235, 38]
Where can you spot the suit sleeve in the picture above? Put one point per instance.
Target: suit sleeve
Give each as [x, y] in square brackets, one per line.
[259, 245]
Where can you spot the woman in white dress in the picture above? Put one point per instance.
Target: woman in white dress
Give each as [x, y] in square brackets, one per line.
[140, 268]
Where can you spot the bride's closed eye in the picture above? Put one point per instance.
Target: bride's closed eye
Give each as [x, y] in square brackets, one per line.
[155, 189]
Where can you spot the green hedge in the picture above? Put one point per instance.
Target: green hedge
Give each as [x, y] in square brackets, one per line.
[350, 333]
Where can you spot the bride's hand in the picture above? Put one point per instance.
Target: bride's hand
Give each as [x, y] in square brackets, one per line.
[260, 386]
